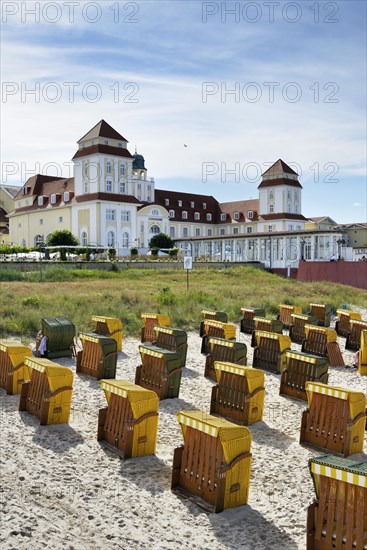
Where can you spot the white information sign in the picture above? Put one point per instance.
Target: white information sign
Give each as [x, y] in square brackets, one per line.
[187, 262]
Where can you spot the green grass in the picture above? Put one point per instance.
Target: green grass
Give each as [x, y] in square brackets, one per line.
[80, 293]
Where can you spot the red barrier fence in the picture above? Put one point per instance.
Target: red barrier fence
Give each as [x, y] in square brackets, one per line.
[346, 273]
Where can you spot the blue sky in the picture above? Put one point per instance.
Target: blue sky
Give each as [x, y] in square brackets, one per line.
[161, 73]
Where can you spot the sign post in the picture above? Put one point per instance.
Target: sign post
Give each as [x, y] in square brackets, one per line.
[187, 265]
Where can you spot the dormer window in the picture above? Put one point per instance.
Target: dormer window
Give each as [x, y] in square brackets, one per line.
[108, 167]
[53, 198]
[184, 215]
[40, 201]
[171, 213]
[166, 202]
[179, 203]
[106, 141]
[204, 205]
[250, 214]
[236, 216]
[192, 204]
[197, 216]
[66, 196]
[223, 217]
[119, 144]
[24, 191]
[209, 217]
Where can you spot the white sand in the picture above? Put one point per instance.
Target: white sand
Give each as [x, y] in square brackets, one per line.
[62, 490]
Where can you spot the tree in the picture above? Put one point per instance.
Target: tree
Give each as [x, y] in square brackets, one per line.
[62, 237]
[161, 241]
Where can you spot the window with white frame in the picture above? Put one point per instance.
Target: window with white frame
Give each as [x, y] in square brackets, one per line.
[179, 203]
[236, 216]
[166, 202]
[248, 229]
[209, 217]
[110, 215]
[125, 216]
[109, 186]
[106, 141]
[192, 204]
[197, 216]
[86, 169]
[122, 169]
[154, 230]
[204, 205]
[84, 238]
[184, 215]
[119, 144]
[61, 219]
[271, 207]
[86, 186]
[149, 187]
[222, 231]
[41, 221]
[111, 238]
[209, 232]
[53, 198]
[139, 186]
[66, 196]
[155, 212]
[122, 187]
[270, 229]
[223, 217]
[235, 231]
[197, 231]
[271, 195]
[289, 207]
[172, 232]
[250, 214]
[109, 167]
[185, 232]
[125, 239]
[40, 201]
[171, 213]
[149, 198]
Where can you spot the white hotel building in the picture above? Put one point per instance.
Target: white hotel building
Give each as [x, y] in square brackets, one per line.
[112, 202]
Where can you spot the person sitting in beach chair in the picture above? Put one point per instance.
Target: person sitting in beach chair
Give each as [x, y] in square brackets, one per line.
[42, 349]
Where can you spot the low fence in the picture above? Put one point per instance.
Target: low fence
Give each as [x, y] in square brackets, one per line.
[133, 264]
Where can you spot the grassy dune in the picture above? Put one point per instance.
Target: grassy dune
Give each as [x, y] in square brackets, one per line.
[79, 294]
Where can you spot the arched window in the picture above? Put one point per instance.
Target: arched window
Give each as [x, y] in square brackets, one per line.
[197, 216]
[236, 216]
[110, 238]
[125, 239]
[171, 213]
[53, 198]
[66, 196]
[154, 230]
[108, 167]
[84, 238]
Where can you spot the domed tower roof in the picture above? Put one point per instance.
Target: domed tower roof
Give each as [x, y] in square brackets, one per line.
[138, 162]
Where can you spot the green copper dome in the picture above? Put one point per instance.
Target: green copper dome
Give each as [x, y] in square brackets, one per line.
[138, 162]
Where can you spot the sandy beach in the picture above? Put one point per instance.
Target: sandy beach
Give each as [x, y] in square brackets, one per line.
[61, 489]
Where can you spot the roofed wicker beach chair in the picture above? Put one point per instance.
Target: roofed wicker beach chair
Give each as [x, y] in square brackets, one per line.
[239, 394]
[285, 313]
[248, 315]
[299, 369]
[224, 350]
[334, 420]
[110, 327]
[160, 371]
[129, 424]
[98, 357]
[47, 395]
[269, 352]
[150, 321]
[13, 371]
[214, 463]
[337, 519]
